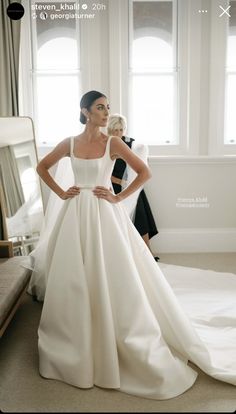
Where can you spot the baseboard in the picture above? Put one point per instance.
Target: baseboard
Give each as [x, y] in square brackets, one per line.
[194, 240]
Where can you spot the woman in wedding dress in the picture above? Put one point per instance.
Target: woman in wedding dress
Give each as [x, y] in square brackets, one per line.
[110, 318]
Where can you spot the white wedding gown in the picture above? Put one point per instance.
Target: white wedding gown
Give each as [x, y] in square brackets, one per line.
[110, 317]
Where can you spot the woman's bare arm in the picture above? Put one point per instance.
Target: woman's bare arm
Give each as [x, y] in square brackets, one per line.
[121, 150]
[60, 151]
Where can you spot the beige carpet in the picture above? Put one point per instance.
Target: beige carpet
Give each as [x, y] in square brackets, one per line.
[23, 390]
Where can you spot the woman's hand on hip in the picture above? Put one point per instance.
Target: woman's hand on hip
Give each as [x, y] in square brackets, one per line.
[106, 194]
[70, 193]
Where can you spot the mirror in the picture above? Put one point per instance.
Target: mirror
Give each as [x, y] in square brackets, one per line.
[20, 195]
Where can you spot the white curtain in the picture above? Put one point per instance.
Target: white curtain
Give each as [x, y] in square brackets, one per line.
[9, 61]
[10, 181]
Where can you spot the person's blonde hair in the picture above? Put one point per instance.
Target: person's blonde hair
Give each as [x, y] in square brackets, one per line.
[115, 121]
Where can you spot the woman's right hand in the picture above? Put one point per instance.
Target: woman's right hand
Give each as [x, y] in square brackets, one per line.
[70, 193]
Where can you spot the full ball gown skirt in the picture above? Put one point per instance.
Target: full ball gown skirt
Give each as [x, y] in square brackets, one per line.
[109, 317]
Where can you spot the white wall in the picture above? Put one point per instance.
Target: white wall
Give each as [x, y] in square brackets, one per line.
[194, 204]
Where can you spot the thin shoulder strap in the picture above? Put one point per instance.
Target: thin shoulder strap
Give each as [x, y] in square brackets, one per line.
[71, 146]
[108, 146]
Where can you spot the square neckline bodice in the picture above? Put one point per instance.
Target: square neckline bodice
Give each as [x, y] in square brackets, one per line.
[89, 159]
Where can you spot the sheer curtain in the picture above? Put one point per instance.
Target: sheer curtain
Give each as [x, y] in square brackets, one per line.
[10, 181]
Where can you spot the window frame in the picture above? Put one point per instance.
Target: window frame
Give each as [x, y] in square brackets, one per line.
[188, 51]
[218, 75]
[155, 149]
[228, 148]
[35, 72]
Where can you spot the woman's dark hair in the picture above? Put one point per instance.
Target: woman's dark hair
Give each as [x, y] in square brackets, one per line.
[86, 102]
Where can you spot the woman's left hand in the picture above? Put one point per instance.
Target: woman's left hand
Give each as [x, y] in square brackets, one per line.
[106, 194]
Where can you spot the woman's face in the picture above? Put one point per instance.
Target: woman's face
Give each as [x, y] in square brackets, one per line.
[118, 131]
[99, 112]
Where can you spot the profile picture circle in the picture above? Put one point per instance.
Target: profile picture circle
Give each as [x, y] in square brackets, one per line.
[15, 11]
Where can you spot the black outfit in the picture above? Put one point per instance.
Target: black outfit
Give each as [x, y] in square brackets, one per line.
[143, 220]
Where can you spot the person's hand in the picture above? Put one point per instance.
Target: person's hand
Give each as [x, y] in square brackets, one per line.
[70, 193]
[106, 194]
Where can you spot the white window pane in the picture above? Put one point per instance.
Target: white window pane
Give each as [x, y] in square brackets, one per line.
[231, 47]
[230, 125]
[56, 39]
[231, 54]
[58, 53]
[153, 109]
[230, 91]
[57, 107]
[152, 34]
[151, 53]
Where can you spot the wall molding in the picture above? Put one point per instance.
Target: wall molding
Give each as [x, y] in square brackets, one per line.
[200, 159]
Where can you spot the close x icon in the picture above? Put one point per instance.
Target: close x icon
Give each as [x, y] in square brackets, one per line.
[225, 11]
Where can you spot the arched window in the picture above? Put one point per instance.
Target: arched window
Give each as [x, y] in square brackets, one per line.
[56, 79]
[57, 90]
[153, 80]
[151, 53]
[58, 53]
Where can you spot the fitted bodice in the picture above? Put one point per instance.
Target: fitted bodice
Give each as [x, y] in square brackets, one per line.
[89, 173]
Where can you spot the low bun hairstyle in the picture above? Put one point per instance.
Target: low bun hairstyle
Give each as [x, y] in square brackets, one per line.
[86, 102]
